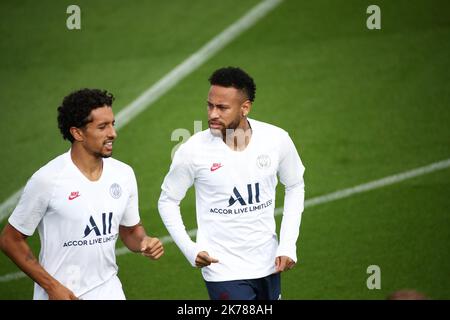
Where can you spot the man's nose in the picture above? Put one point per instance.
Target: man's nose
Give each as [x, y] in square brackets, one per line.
[112, 133]
[213, 113]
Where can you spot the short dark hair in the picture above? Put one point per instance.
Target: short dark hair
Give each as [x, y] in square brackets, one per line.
[236, 78]
[77, 106]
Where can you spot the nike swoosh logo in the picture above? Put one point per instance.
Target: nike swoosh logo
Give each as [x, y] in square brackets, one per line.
[214, 168]
[71, 197]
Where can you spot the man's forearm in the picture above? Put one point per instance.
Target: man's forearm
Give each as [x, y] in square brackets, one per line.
[290, 225]
[16, 248]
[171, 216]
[133, 236]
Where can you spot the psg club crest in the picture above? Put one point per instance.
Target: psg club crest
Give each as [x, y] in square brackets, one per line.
[263, 161]
[115, 190]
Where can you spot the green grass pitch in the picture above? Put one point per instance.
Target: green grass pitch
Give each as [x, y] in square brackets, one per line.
[359, 104]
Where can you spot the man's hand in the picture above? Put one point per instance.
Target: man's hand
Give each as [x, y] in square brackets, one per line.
[60, 292]
[203, 259]
[284, 263]
[152, 248]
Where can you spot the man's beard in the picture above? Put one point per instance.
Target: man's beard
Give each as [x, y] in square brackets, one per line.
[102, 155]
[222, 133]
[106, 154]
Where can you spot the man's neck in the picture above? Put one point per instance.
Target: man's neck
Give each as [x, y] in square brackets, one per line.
[239, 138]
[89, 165]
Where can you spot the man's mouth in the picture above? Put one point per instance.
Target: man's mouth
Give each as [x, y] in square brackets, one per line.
[215, 124]
[108, 145]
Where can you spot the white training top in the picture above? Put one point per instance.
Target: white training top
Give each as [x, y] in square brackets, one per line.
[235, 201]
[78, 220]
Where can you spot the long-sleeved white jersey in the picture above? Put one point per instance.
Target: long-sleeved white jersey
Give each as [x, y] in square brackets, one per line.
[235, 201]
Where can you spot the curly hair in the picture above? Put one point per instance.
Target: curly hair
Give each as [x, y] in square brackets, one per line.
[236, 78]
[77, 106]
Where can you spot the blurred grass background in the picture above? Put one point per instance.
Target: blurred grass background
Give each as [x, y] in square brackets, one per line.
[359, 104]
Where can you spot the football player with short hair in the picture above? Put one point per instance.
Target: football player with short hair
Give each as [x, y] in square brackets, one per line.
[80, 202]
[234, 166]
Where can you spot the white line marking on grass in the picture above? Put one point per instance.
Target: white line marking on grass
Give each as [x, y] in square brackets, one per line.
[195, 61]
[7, 207]
[175, 76]
[396, 178]
[344, 193]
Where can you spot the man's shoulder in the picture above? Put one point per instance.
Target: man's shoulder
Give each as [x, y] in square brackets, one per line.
[118, 165]
[194, 147]
[267, 128]
[48, 172]
[53, 166]
[199, 139]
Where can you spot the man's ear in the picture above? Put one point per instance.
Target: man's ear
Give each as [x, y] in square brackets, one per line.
[246, 108]
[77, 134]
